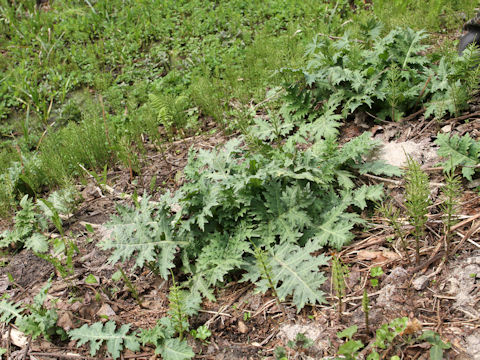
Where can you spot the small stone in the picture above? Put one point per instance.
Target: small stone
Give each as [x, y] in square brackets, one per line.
[242, 328]
[106, 310]
[447, 128]
[420, 283]
[65, 321]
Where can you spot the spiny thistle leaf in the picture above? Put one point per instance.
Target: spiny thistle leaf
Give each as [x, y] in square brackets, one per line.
[9, 311]
[98, 333]
[460, 151]
[221, 256]
[294, 271]
[142, 232]
[37, 243]
[175, 349]
[379, 167]
[162, 337]
[364, 193]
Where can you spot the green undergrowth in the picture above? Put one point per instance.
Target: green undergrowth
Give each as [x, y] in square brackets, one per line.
[134, 68]
[438, 16]
[286, 201]
[387, 77]
[460, 151]
[130, 71]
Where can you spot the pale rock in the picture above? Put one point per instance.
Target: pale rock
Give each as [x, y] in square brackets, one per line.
[420, 283]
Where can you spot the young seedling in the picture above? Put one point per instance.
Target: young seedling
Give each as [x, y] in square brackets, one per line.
[183, 304]
[339, 272]
[375, 273]
[366, 309]
[120, 274]
[266, 271]
[417, 196]
[350, 348]
[451, 193]
[202, 333]
[392, 214]
[394, 93]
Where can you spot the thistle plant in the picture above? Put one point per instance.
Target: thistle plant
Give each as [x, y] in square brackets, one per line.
[451, 193]
[417, 196]
[339, 272]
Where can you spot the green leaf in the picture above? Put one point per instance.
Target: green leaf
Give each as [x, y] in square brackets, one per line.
[141, 233]
[91, 279]
[379, 167]
[436, 353]
[348, 332]
[350, 347]
[98, 333]
[175, 349]
[37, 243]
[9, 311]
[296, 271]
[221, 256]
[459, 151]
[376, 271]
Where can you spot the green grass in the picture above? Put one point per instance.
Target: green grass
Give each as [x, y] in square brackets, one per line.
[222, 57]
[436, 16]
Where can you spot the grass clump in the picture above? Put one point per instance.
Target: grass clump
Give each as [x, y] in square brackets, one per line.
[85, 143]
[433, 15]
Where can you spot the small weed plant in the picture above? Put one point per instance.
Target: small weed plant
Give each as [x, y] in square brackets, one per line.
[459, 151]
[388, 76]
[31, 224]
[35, 319]
[339, 274]
[389, 339]
[417, 201]
[451, 193]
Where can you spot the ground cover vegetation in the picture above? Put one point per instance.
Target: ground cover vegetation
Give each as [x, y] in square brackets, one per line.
[89, 86]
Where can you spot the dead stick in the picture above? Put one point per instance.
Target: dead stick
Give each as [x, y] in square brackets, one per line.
[441, 254]
[339, 38]
[412, 116]
[423, 90]
[83, 357]
[464, 222]
[469, 233]
[463, 117]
